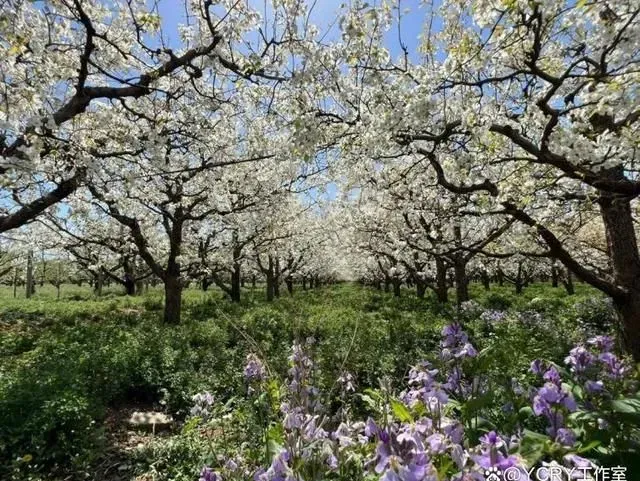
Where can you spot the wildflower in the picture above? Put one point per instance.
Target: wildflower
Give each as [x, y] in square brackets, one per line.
[231, 465]
[551, 400]
[492, 440]
[602, 343]
[453, 429]
[279, 469]
[254, 369]
[202, 404]
[594, 387]
[552, 375]
[470, 309]
[401, 458]
[424, 388]
[301, 391]
[343, 435]
[455, 343]
[371, 429]
[577, 462]
[208, 474]
[437, 443]
[453, 335]
[492, 453]
[579, 359]
[347, 382]
[455, 348]
[493, 315]
[566, 437]
[530, 318]
[613, 366]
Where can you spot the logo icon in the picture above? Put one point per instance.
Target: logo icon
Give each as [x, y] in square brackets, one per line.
[492, 474]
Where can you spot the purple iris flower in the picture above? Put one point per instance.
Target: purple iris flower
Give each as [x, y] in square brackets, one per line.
[566, 437]
[580, 359]
[371, 428]
[552, 375]
[254, 369]
[614, 367]
[602, 343]
[537, 367]
[208, 474]
[594, 387]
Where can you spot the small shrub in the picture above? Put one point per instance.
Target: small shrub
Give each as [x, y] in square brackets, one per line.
[153, 303]
[498, 302]
[596, 314]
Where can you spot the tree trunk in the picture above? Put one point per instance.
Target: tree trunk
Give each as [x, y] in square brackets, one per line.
[15, 282]
[462, 287]
[270, 280]
[99, 282]
[485, 280]
[442, 289]
[304, 283]
[59, 279]
[387, 283]
[396, 286]
[518, 282]
[625, 264]
[518, 286]
[554, 276]
[568, 284]
[236, 280]
[129, 284]
[421, 288]
[276, 278]
[172, 299]
[289, 282]
[30, 282]
[44, 270]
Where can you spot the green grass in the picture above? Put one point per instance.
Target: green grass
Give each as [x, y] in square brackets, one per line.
[64, 362]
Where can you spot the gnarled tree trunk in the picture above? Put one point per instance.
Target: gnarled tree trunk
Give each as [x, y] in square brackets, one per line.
[396, 286]
[462, 282]
[236, 277]
[568, 284]
[172, 298]
[484, 275]
[442, 289]
[270, 280]
[625, 265]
